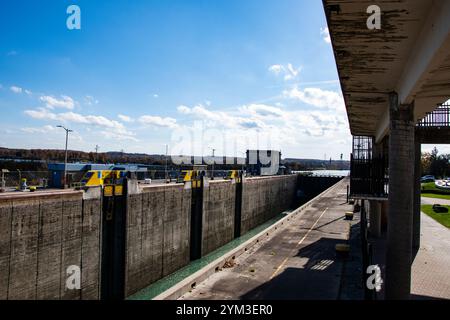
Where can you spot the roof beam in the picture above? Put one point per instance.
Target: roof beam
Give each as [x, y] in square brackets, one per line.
[431, 49]
[382, 127]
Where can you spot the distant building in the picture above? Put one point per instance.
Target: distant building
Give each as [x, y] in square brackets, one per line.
[75, 171]
[263, 162]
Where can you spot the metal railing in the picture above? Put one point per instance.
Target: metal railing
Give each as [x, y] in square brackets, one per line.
[368, 178]
[13, 179]
[368, 172]
[438, 118]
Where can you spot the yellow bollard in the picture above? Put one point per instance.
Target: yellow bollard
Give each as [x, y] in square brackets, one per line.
[349, 215]
[342, 249]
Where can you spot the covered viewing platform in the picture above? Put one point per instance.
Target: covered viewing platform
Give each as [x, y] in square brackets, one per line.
[396, 82]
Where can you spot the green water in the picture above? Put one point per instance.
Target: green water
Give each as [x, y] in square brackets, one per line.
[169, 281]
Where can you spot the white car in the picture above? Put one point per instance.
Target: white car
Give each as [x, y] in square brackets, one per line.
[443, 184]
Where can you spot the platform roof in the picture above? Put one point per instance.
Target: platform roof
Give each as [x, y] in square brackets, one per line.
[409, 55]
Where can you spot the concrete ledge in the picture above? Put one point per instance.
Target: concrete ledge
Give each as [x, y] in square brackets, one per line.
[40, 194]
[190, 282]
[143, 187]
[269, 177]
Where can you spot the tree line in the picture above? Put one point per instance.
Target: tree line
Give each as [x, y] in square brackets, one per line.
[436, 164]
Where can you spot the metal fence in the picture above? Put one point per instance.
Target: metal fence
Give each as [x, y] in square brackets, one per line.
[438, 118]
[368, 172]
[34, 178]
[368, 177]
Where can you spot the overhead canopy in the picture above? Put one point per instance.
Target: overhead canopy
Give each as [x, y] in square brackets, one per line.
[410, 55]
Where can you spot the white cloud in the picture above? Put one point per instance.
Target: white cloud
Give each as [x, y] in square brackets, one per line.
[325, 32]
[261, 126]
[317, 97]
[289, 72]
[183, 109]
[92, 120]
[258, 125]
[110, 128]
[65, 102]
[119, 136]
[158, 121]
[19, 90]
[276, 69]
[155, 96]
[41, 114]
[90, 100]
[16, 89]
[262, 110]
[221, 118]
[201, 112]
[44, 129]
[101, 121]
[218, 118]
[125, 118]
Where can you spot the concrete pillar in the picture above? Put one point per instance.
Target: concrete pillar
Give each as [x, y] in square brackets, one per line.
[375, 218]
[417, 194]
[401, 181]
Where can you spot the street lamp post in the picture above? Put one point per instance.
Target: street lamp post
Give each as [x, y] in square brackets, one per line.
[65, 157]
[213, 161]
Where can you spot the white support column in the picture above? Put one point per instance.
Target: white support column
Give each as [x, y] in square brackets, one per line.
[401, 180]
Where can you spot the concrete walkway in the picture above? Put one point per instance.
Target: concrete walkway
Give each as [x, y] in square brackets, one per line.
[431, 267]
[299, 261]
[432, 201]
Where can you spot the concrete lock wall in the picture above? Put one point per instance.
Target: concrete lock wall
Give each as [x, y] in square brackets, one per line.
[310, 186]
[264, 198]
[41, 235]
[158, 222]
[158, 231]
[218, 215]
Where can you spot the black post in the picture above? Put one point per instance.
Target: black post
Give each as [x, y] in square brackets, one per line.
[238, 206]
[114, 241]
[196, 217]
[107, 247]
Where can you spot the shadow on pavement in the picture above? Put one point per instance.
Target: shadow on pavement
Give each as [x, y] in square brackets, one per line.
[319, 278]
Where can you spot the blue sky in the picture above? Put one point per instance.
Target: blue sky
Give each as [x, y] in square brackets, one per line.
[142, 74]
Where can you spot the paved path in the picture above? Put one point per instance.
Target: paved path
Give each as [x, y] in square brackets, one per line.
[431, 267]
[298, 262]
[443, 202]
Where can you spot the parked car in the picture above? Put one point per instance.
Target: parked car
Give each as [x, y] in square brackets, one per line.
[428, 178]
